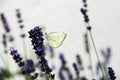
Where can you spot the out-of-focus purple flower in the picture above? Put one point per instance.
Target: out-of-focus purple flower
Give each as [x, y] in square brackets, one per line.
[22, 35]
[111, 73]
[28, 67]
[4, 40]
[86, 43]
[106, 54]
[70, 77]
[84, 1]
[51, 51]
[20, 21]
[65, 69]
[35, 76]
[79, 61]
[11, 38]
[5, 23]
[21, 26]
[84, 12]
[18, 14]
[83, 78]
[75, 66]
[62, 59]
[97, 68]
[61, 76]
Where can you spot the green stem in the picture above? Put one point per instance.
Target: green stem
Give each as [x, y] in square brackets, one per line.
[24, 46]
[89, 54]
[91, 66]
[49, 77]
[96, 53]
[78, 77]
[28, 77]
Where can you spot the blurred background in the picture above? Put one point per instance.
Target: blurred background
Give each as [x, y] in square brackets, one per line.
[65, 15]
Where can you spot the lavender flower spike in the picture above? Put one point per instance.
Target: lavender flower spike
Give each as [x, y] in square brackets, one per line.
[111, 73]
[27, 68]
[5, 23]
[36, 36]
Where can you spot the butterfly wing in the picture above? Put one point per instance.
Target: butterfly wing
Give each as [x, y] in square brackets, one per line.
[56, 39]
[43, 28]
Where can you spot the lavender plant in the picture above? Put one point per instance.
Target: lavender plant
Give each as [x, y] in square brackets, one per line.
[84, 11]
[21, 26]
[32, 70]
[27, 67]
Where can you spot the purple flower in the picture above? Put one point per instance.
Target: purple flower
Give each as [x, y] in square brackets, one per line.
[21, 64]
[36, 36]
[51, 50]
[111, 73]
[79, 61]
[11, 38]
[5, 42]
[35, 76]
[76, 68]
[30, 66]
[106, 54]
[16, 55]
[18, 14]
[84, 12]
[44, 65]
[84, 1]
[86, 43]
[62, 59]
[83, 78]
[26, 68]
[67, 71]
[61, 76]
[5, 23]
[63, 69]
[20, 21]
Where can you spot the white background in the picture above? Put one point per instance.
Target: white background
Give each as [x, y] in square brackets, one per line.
[64, 15]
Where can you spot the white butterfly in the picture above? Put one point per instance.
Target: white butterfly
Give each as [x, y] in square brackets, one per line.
[55, 39]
